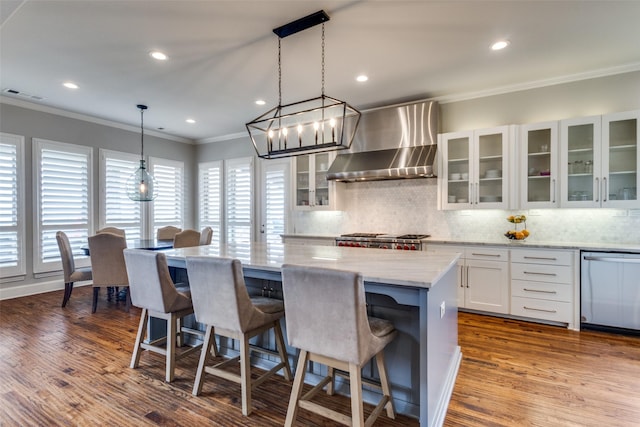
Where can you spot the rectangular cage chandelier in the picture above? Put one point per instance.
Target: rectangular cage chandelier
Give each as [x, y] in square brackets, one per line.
[304, 127]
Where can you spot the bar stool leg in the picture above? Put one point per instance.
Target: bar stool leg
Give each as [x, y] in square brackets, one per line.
[245, 375]
[282, 350]
[357, 408]
[331, 373]
[135, 358]
[171, 347]
[384, 382]
[204, 357]
[296, 390]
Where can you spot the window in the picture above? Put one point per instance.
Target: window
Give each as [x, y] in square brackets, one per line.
[275, 196]
[168, 207]
[12, 261]
[63, 192]
[210, 198]
[116, 209]
[238, 200]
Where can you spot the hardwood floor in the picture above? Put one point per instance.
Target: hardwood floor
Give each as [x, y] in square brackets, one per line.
[70, 367]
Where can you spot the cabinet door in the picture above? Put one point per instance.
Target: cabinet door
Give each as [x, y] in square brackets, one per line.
[302, 181]
[538, 173]
[487, 286]
[321, 194]
[620, 160]
[580, 162]
[491, 168]
[455, 177]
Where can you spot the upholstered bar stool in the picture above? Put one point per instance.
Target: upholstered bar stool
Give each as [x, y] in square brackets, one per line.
[186, 238]
[69, 270]
[222, 303]
[153, 290]
[327, 320]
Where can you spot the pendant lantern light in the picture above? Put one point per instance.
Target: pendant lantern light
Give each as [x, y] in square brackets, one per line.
[141, 185]
[310, 126]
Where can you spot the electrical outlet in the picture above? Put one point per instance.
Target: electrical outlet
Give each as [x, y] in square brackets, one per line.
[442, 309]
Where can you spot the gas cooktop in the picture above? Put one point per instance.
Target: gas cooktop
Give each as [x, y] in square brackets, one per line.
[387, 236]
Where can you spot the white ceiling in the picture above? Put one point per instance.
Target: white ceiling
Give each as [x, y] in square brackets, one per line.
[223, 54]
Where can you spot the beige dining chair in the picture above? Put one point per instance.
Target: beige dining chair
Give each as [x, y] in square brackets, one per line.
[113, 230]
[327, 320]
[107, 263]
[153, 290]
[186, 238]
[167, 233]
[205, 236]
[70, 272]
[221, 302]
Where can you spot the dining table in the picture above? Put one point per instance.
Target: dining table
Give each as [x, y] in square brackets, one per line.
[147, 244]
[416, 290]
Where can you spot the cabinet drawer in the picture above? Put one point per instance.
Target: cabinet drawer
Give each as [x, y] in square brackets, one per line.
[542, 273]
[487, 254]
[446, 249]
[541, 309]
[532, 256]
[540, 290]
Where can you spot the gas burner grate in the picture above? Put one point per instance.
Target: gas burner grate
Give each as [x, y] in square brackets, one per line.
[413, 236]
[362, 235]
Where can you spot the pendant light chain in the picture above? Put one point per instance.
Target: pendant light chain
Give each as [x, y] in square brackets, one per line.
[323, 59]
[279, 72]
[141, 134]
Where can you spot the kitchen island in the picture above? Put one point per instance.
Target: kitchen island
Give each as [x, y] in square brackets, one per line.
[415, 290]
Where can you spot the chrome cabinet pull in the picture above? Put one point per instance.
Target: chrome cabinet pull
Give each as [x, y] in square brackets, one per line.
[539, 309]
[541, 257]
[605, 191]
[540, 291]
[598, 189]
[539, 274]
[612, 259]
[553, 186]
[491, 255]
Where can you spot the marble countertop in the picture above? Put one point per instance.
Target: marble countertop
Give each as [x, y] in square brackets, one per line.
[402, 268]
[504, 242]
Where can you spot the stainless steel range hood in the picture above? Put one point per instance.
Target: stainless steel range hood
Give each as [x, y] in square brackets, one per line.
[391, 143]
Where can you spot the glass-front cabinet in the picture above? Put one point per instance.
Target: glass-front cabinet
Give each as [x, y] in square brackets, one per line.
[312, 190]
[475, 169]
[599, 161]
[538, 172]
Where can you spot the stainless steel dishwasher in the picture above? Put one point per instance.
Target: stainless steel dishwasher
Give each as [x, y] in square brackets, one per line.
[610, 290]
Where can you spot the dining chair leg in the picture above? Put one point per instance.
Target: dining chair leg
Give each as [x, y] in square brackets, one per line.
[331, 372]
[209, 336]
[245, 375]
[171, 347]
[68, 288]
[296, 390]
[135, 358]
[94, 306]
[357, 408]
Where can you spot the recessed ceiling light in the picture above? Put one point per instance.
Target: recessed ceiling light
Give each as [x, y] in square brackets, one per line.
[70, 85]
[159, 56]
[500, 45]
[260, 102]
[190, 121]
[362, 78]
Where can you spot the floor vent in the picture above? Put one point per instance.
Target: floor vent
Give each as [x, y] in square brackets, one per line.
[19, 94]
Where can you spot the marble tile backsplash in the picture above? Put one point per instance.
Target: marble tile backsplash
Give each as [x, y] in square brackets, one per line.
[410, 206]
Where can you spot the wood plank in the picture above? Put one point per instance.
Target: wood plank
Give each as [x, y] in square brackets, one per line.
[70, 367]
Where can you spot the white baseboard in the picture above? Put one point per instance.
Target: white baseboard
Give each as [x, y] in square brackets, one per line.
[447, 391]
[34, 288]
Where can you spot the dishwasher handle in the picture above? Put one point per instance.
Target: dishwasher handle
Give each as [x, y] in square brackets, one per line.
[611, 259]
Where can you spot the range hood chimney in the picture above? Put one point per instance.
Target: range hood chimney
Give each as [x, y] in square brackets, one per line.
[396, 142]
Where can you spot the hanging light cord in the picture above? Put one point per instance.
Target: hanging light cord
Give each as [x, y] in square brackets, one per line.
[323, 59]
[279, 72]
[141, 133]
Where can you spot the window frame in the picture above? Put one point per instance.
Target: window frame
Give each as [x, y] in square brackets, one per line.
[18, 272]
[218, 229]
[228, 165]
[153, 226]
[81, 260]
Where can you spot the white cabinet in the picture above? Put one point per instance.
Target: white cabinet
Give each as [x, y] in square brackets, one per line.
[538, 166]
[543, 284]
[475, 169]
[311, 188]
[600, 161]
[483, 277]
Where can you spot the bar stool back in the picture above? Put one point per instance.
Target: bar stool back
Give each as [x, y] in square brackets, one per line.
[327, 320]
[221, 301]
